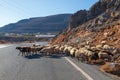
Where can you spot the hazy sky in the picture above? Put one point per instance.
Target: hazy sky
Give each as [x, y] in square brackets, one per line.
[14, 10]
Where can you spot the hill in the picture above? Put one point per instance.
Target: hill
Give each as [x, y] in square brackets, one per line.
[94, 32]
[90, 26]
[54, 23]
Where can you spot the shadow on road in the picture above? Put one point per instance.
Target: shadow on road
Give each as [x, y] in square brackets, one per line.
[54, 56]
[35, 56]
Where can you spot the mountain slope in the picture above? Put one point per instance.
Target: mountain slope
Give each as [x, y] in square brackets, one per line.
[90, 26]
[93, 33]
[54, 23]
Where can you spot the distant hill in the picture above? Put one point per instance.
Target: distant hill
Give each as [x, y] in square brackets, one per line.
[54, 23]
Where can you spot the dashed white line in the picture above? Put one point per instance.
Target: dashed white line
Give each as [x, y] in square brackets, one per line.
[79, 69]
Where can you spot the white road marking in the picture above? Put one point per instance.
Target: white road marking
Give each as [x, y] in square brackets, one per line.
[79, 69]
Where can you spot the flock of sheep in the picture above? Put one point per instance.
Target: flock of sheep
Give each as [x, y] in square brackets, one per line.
[82, 53]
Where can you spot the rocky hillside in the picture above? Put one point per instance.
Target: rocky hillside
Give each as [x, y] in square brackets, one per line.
[54, 23]
[94, 34]
[100, 22]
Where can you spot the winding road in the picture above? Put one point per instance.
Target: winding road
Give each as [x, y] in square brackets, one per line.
[37, 67]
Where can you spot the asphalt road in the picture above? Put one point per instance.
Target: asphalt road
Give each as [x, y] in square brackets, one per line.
[14, 67]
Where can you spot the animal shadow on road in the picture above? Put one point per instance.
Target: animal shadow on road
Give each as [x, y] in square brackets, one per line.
[56, 56]
[35, 56]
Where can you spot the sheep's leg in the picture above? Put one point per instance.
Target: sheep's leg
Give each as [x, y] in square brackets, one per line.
[27, 53]
[22, 53]
[43, 53]
[36, 52]
[89, 59]
[48, 54]
[72, 56]
[67, 54]
[30, 53]
[19, 53]
[76, 59]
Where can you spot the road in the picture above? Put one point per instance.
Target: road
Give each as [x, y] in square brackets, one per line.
[14, 67]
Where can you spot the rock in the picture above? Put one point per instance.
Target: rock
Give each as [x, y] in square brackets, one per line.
[113, 68]
[78, 18]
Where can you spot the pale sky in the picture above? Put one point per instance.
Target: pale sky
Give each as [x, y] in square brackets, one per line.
[14, 10]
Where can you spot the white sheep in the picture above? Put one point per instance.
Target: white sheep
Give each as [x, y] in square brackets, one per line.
[56, 49]
[72, 52]
[79, 55]
[67, 49]
[103, 42]
[110, 49]
[99, 47]
[106, 47]
[89, 54]
[47, 50]
[84, 53]
[61, 49]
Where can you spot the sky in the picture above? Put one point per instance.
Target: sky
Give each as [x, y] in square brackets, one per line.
[12, 11]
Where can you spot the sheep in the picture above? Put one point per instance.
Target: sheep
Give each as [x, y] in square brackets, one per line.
[34, 50]
[24, 50]
[103, 55]
[56, 49]
[99, 47]
[84, 54]
[110, 49]
[67, 49]
[115, 51]
[72, 52]
[94, 49]
[103, 42]
[20, 49]
[87, 46]
[79, 55]
[116, 57]
[106, 47]
[61, 49]
[89, 54]
[47, 50]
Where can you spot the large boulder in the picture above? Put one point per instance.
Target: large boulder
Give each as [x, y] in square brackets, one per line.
[113, 68]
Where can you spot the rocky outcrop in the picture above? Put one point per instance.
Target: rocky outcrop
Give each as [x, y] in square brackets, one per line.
[83, 15]
[78, 18]
[100, 12]
[90, 25]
